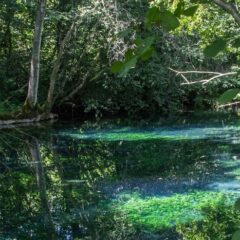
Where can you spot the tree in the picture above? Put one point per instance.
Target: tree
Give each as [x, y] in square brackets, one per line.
[32, 95]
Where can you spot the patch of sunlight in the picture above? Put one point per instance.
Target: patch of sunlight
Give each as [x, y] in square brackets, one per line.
[135, 134]
[156, 213]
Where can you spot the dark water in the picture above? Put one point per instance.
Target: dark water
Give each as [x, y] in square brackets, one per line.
[115, 180]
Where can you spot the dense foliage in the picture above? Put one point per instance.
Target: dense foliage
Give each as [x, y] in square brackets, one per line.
[102, 34]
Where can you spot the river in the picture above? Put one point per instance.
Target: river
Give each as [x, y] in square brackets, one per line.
[117, 179]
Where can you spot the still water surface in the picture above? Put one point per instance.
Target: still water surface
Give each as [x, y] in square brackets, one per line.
[115, 180]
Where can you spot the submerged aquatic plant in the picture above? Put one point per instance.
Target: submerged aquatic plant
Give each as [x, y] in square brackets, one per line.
[228, 133]
[157, 213]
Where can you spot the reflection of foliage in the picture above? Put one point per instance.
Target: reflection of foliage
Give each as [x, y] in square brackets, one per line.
[107, 224]
[165, 158]
[20, 205]
[219, 223]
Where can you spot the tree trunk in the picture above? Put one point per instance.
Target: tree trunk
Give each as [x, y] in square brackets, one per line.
[32, 96]
[57, 64]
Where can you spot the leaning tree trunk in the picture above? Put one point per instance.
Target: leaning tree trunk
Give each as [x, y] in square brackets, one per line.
[32, 96]
[57, 64]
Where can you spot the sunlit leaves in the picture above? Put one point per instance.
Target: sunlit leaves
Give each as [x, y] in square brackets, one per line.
[156, 16]
[228, 96]
[215, 48]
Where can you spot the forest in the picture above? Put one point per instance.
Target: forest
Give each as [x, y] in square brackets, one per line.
[70, 62]
[119, 119]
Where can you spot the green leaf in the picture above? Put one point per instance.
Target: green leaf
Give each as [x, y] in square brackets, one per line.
[129, 54]
[131, 63]
[153, 16]
[236, 43]
[147, 54]
[117, 67]
[228, 96]
[236, 235]
[190, 11]
[179, 9]
[169, 21]
[144, 45]
[214, 48]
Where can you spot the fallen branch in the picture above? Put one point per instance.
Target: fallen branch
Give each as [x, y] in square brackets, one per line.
[201, 81]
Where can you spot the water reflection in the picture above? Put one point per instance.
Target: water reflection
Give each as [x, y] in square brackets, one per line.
[36, 158]
[54, 185]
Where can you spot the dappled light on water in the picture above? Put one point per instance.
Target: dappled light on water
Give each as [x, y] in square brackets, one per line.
[226, 133]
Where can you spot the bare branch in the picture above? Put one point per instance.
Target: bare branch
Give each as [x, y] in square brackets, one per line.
[202, 81]
[229, 104]
[197, 72]
[218, 76]
[185, 79]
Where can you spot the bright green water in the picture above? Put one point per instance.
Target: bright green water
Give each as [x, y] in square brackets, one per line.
[114, 180]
